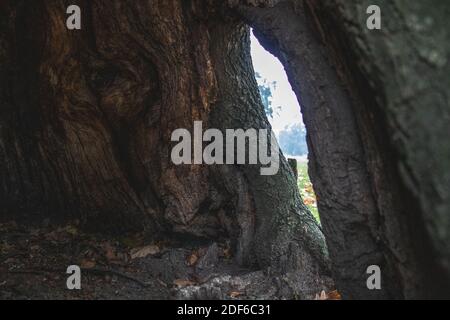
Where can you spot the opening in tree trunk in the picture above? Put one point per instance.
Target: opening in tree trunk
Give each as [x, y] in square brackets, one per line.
[87, 118]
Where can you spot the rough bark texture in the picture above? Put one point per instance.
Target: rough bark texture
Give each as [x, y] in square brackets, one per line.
[376, 108]
[87, 118]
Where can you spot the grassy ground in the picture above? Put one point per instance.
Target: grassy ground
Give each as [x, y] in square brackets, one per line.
[306, 188]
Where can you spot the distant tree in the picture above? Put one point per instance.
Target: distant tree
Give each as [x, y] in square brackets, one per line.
[293, 140]
[265, 89]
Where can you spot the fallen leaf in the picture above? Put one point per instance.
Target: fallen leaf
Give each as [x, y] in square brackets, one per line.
[192, 259]
[235, 294]
[334, 295]
[309, 201]
[88, 264]
[183, 283]
[110, 253]
[72, 230]
[144, 252]
[227, 253]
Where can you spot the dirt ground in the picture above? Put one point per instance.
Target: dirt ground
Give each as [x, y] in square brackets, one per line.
[33, 265]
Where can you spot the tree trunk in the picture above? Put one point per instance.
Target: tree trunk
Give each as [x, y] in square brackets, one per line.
[376, 111]
[87, 117]
[86, 125]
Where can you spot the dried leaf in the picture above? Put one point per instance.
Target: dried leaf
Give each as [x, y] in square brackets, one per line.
[72, 230]
[110, 253]
[88, 264]
[144, 252]
[334, 295]
[227, 253]
[235, 294]
[309, 201]
[183, 283]
[193, 259]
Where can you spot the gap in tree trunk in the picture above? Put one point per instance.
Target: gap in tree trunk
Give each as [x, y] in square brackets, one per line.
[283, 111]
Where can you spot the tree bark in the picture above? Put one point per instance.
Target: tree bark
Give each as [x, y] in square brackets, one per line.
[87, 118]
[378, 161]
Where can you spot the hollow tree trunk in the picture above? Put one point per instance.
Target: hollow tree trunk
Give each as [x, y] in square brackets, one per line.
[87, 117]
[376, 109]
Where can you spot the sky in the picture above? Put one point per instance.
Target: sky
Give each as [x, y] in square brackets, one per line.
[270, 68]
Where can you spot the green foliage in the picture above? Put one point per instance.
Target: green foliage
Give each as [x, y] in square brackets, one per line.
[265, 90]
[306, 189]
